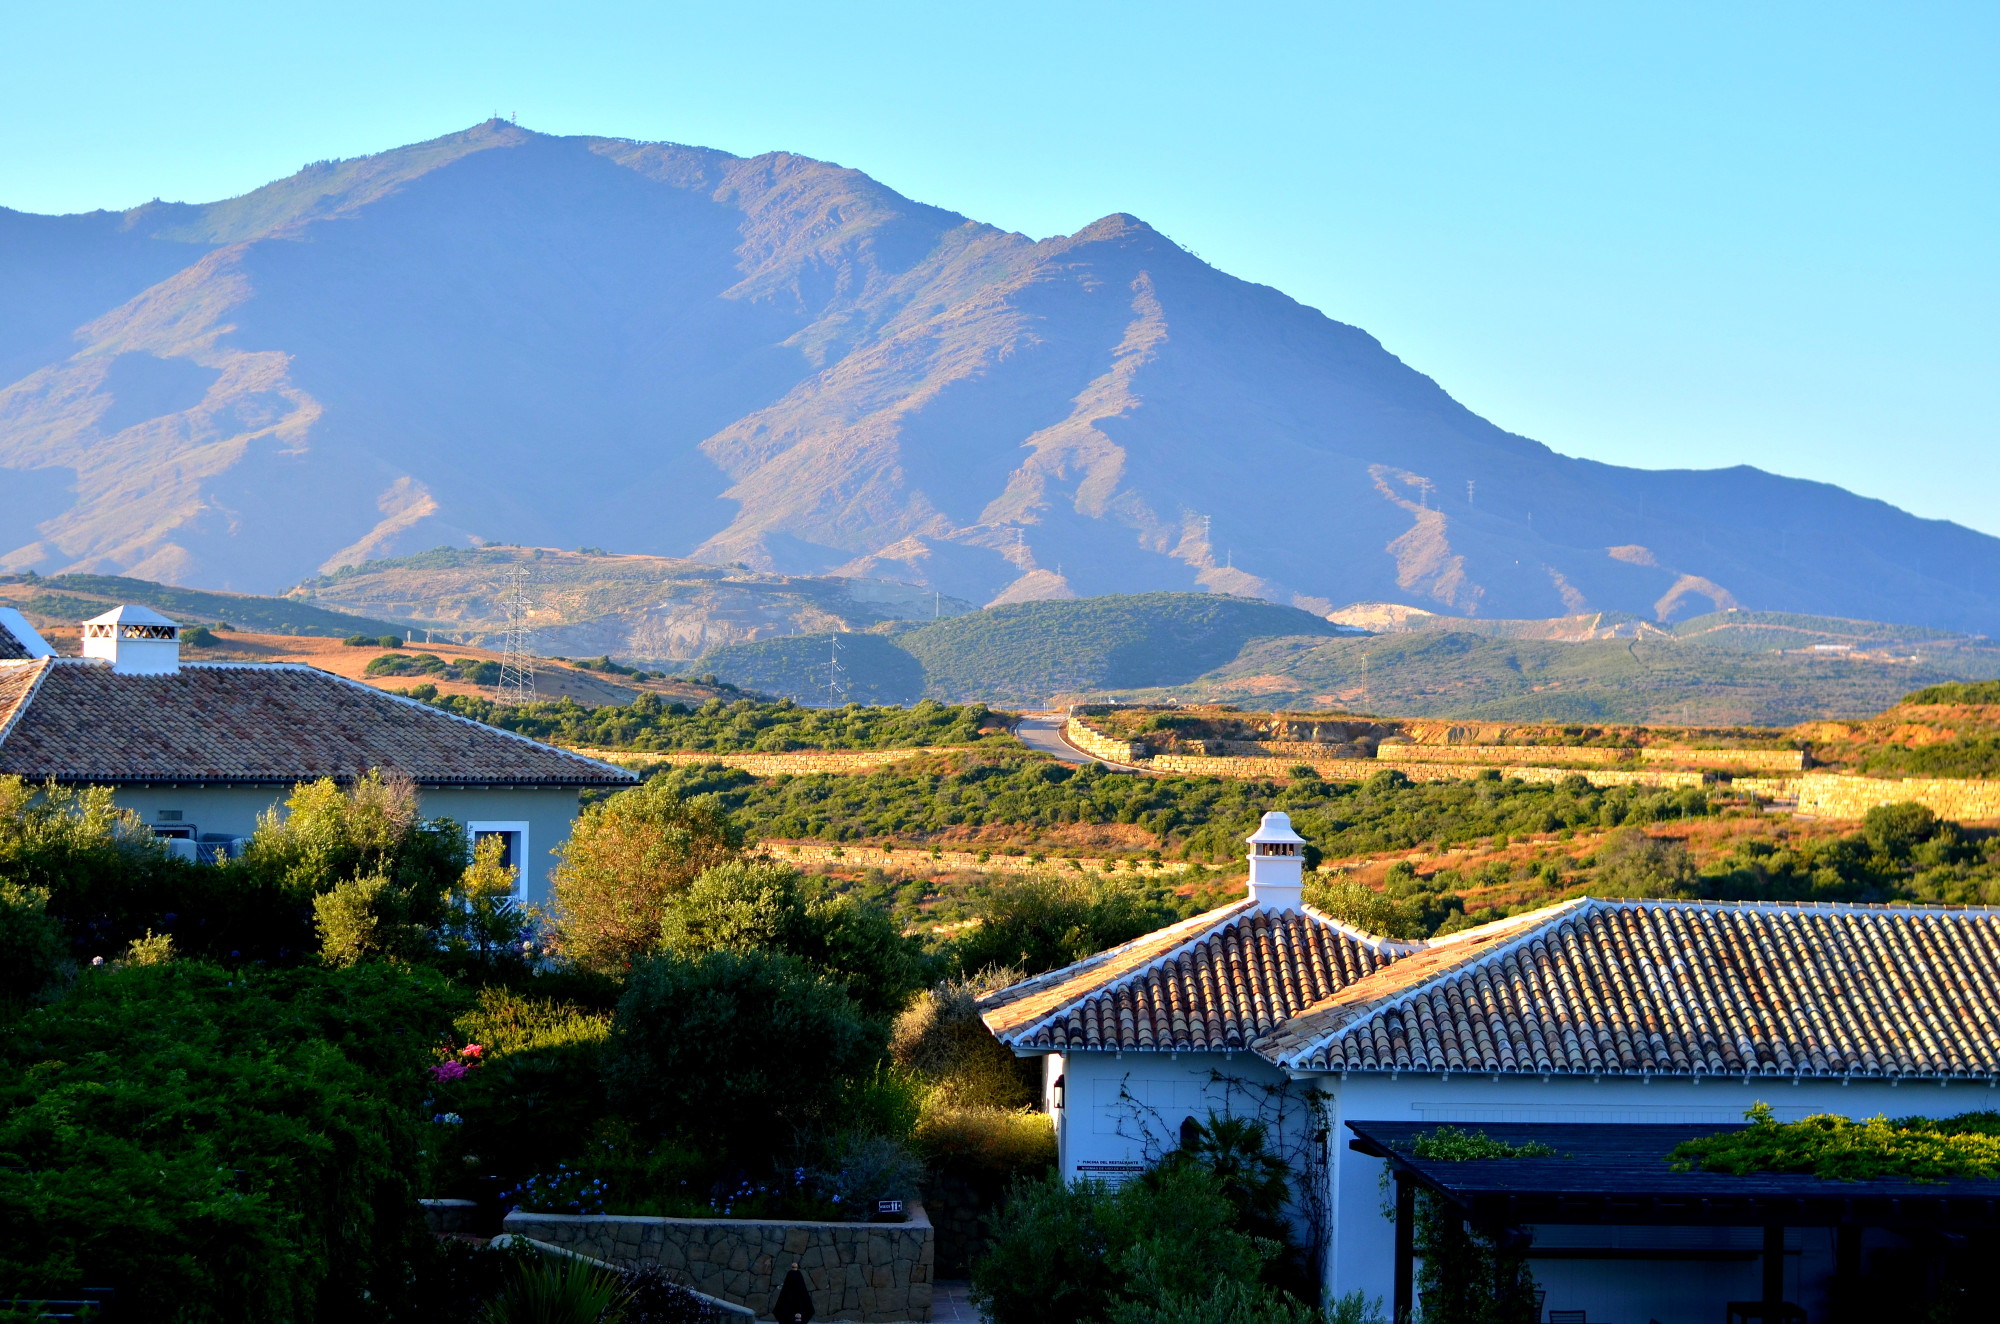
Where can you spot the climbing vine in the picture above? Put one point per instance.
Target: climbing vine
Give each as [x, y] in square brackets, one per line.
[1919, 1149]
[1469, 1275]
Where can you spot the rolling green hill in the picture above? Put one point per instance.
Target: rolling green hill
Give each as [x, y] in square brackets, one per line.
[67, 598]
[1023, 653]
[1727, 667]
[872, 669]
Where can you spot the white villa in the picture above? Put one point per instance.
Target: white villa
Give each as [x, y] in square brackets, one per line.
[1591, 1021]
[199, 749]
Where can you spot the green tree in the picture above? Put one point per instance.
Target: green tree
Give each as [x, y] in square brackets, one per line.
[628, 858]
[33, 953]
[746, 906]
[1041, 923]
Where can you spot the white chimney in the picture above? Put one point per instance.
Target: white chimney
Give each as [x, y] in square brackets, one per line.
[135, 641]
[30, 639]
[1277, 863]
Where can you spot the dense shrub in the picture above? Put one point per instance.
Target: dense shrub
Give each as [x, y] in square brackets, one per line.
[942, 1038]
[738, 1053]
[220, 1146]
[33, 953]
[1071, 1253]
[1040, 923]
[627, 859]
[746, 906]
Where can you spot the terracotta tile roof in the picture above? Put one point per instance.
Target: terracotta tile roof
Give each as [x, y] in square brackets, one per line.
[1677, 988]
[77, 720]
[1216, 981]
[11, 649]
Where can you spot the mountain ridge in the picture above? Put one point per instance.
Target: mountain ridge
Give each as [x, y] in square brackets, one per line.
[502, 336]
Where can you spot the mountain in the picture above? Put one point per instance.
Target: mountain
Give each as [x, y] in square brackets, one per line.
[651, 610]
[505, 337]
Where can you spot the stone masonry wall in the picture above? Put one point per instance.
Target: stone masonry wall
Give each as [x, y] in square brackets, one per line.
[871, 1272]
[1836, 795]
[1098, 745]
[1353, 770]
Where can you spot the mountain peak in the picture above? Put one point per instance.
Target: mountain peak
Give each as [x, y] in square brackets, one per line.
[512, 337]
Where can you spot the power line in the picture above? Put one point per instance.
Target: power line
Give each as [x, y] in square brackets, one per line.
[517, 664]
[836, 687]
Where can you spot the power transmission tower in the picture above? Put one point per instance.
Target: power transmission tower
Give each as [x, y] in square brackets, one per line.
[517, 664]
[836, 688]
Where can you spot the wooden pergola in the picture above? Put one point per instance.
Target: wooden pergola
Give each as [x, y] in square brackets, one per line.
[1618, 1176]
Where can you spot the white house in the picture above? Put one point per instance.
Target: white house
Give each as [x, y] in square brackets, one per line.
[1589, 1013]
[200, 749]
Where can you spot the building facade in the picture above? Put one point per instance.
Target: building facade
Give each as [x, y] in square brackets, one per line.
[1590, 1012]
[199, 751]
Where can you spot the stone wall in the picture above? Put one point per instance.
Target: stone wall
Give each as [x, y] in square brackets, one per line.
[1351, 770]
[1755, 760]
[1501, 755]
[771, 765]
[1838, 795]
[872, 1272]
[1098, 745]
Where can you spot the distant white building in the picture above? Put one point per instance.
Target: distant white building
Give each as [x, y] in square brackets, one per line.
[200, 749]
[1589, 1013]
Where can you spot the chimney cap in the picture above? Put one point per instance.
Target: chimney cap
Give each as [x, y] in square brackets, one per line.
[1275, 826]
[130, 614]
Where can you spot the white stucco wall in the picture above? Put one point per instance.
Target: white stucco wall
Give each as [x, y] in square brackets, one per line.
[233, 811]
[1126, 1109]
[1673, 1292]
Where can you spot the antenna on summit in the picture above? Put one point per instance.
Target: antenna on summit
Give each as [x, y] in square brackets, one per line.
[836, 688]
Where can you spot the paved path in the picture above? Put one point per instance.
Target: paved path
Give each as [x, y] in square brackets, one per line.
[1043, 732]
[950, 1306]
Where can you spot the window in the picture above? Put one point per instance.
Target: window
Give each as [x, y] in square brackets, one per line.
[513, 848]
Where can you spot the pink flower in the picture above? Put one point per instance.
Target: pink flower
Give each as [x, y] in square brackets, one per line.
[471, 1050]
[448, 1071]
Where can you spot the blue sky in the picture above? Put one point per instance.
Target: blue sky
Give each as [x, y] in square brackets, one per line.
[1661, 235]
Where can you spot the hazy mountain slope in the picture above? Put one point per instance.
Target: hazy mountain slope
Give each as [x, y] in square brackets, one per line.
[503, 336]
[650, 610]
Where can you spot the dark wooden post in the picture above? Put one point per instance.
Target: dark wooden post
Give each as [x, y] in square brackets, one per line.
[1406, 1241]
[1774, 1273]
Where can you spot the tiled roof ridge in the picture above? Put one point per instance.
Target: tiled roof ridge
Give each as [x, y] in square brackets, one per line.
[1781, 907]
[1184, 933]
[1533, 924]
[41, 667]
[1186, 937]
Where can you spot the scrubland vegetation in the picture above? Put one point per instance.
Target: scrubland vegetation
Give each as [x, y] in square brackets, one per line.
[650, 723]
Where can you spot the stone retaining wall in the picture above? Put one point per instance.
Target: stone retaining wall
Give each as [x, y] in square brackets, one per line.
[1839, 795]
[771, 765]
[872, 1272]
[1098, 745]
[1354, 770]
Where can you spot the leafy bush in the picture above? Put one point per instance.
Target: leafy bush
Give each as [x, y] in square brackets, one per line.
[1833, 1148]
[942, 1037]
[537, 1096]
[221, 1146]
[1041, 923]
[746, 906]
[33, 952]
[559, 1290]
[1070, 1253]
[1972, 691]
[1465, 1276]
[739, 1053]
[628, 857]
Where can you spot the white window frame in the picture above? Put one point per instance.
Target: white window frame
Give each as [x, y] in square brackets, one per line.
[520, 830]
